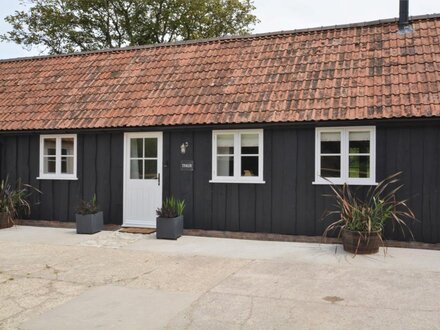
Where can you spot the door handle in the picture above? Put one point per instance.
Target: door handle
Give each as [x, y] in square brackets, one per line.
[158, 179]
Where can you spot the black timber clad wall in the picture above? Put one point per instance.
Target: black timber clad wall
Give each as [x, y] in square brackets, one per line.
[287, 203]
[99, 169]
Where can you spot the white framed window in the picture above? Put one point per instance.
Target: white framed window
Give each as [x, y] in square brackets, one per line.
[237, 156]
[345, 155]
[58, 157]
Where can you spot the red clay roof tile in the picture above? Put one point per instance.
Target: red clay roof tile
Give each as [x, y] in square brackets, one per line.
[362, 71]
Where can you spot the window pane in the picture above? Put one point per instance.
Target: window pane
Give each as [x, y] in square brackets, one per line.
[225, 144]
[331, 166]
[136, 169]
[225, 166]
[151, 148]
[249, 166]
[136, 146]
[49, 165]
[67, 146]
[49, 147]
[359, 166]
[249, 150]
[330, 143]
[150, 169]
[359, 142]
[249, 144]
[67, 165]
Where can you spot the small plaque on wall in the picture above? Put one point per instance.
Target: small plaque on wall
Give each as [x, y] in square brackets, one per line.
[187, 165]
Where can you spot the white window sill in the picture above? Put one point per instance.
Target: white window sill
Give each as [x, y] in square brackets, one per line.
[237, 181]
[350, 183]
[72, 178]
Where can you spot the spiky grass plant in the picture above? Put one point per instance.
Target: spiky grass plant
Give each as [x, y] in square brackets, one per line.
[171, 208]
[15, 200]
[370, 214]
[88, 206]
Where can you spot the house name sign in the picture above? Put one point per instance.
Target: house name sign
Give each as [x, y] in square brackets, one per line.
[187, 165]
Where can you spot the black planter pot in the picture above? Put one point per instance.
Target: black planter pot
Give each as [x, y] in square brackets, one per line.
[5, 220]
[361, 243]
[89, 223]
[169, 228]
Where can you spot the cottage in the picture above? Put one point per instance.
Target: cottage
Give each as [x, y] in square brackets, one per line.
[243, 128]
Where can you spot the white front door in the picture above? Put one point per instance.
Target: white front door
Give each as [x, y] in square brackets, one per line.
[142, 178]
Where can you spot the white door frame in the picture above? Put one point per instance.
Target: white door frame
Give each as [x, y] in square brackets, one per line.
[151, 223]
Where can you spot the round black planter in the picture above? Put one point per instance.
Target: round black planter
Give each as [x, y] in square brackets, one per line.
[361, 243]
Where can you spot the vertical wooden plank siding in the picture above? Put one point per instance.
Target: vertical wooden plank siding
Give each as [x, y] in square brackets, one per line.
[181, 182]
[263, 198]
[103, 176]
[99, 169]
[75, 186]
[23, 171]
[279, 178]
[232, 207]
[218, 218]
[306, 216]
[117, 177]
[34, 172]
[166, 165]
[430, 171]
[60, 198]
[90, 169]
[287, 203]
[10, 152]
[202, 191]
[247, 207]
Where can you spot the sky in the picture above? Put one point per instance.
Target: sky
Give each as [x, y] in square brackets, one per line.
[277, 15]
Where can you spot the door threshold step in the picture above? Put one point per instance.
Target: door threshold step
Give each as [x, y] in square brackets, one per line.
[137, 230]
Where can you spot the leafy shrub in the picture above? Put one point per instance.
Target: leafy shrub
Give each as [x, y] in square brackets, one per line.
[371, 213]
[88, 207]
[171, 208]
[13, 201]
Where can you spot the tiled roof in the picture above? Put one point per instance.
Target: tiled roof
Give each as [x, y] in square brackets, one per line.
[361, 71]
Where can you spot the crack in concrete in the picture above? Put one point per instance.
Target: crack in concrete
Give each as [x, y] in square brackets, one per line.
[250, 314]
[50, 293]
[188, 313]
[325, 303]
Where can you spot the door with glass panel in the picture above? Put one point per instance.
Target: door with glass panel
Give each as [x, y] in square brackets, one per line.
[142, 178]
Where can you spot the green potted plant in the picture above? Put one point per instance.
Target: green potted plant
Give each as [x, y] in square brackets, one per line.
[169, 221]
[361, 221]
[89, 219]
[13, 201]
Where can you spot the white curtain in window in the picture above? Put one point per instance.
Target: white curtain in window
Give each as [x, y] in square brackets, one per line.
[249, 140]
[359, 136]
[225, 140]
[330, 136]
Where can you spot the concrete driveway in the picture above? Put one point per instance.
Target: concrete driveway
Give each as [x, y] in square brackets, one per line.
[54, 279]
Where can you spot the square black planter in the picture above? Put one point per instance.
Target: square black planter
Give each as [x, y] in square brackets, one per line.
[169, 228]
[89, 223]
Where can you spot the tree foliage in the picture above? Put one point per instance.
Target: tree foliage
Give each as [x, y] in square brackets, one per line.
[62, 26]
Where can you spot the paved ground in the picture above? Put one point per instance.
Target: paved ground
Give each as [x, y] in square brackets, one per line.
[54, 279]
